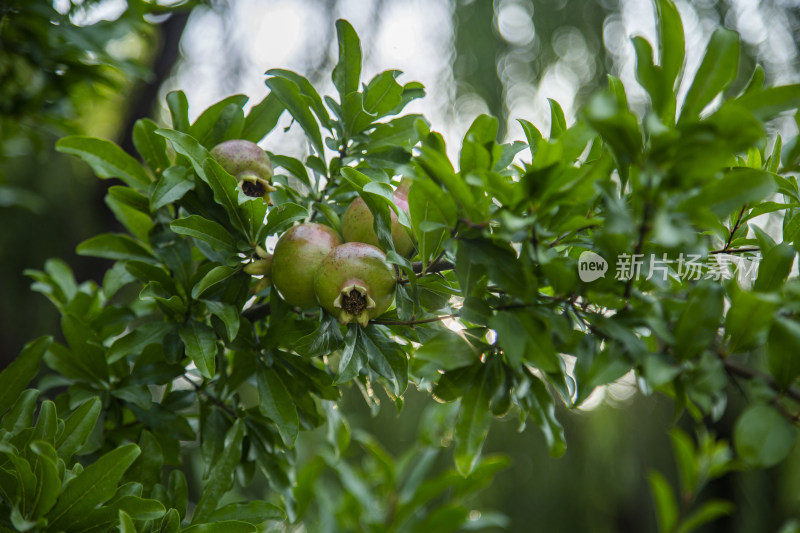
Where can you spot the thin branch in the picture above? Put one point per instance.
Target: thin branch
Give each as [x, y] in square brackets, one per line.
[734, 228]
[573, 232]
[412, 323]
[437, 266]
[750, 373]
[256, 312]
[748, 249]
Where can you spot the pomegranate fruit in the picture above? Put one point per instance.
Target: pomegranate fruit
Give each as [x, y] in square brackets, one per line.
[355, 283]
[297, 255]
[357, 223]
[248, 163]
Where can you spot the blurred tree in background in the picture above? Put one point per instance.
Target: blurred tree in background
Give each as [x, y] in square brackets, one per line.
[68, 67]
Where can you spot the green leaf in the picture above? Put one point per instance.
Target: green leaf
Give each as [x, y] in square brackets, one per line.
[126, 524]
[736, 188]
[775, 267]
[228, 314]
[21, 371]
[698, 324]
[137, 340]
[214, 276]
[524, 337]
[262, 118]
[152, 147]
[48, 485]
[354, 355]
[472, 426]
[783, 351]
[292, 98]
[115, 246]
[277, 403]
[92, 487]
[671, 42]
[308, 91]
[748, 319]
[171, 186]
[106, 159]
[201, 346]
[179, 110]
[220, 479]
[763, 437]
[295, 166]
[132, 210]
[768, 103]
[254, 512]
[206, 230]
[448, 350]
[383, 93]
[666, 506]
[709, 511]
[717, 70]
[685, 457]
[77, 428]
[540, 406]
[228, 526]
[347, 72]
[213, 124]
[281, 217]
[386, 357]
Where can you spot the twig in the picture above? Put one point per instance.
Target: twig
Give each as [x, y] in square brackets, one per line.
[567, 234]
[736, 250]
[412, 323]
[750, 373]
[734, 228]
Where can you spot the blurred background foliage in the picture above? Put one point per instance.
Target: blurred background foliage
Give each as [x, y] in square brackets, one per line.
[95, 66]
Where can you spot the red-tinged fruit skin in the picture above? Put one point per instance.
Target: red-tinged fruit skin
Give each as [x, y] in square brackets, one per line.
[357, 224]
[354, 283]
[297, 256]
[248, 163]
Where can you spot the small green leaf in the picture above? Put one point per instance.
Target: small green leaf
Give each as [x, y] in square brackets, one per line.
[228, 526]
[152, 147]
[698, 324]
[708, 512]
[179, 110]
[21, 371]
[77, 428]
[216, 275]
[472, 426]
[115, 246]
[783, 351]
[262, 118]
[666, 506]
[281, 217]
[354, 355]
[347, 72]
[92, 487]
[201, 346]
[775, 267]
[290, 96]
[106, 159]
[171, 186]
[763, 437]
[220, 478]
[717, 71]
[277, 403]
[254, 512]
[206, 230]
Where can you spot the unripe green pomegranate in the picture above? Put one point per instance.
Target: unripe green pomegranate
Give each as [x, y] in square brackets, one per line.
[355, 283]
[357, 223]
[248, 163]
[297, 255]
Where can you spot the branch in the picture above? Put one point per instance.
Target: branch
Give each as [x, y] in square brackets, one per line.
[412, 323]
[749, 373]
[256, 312]
[437, 266]
[744, 250]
